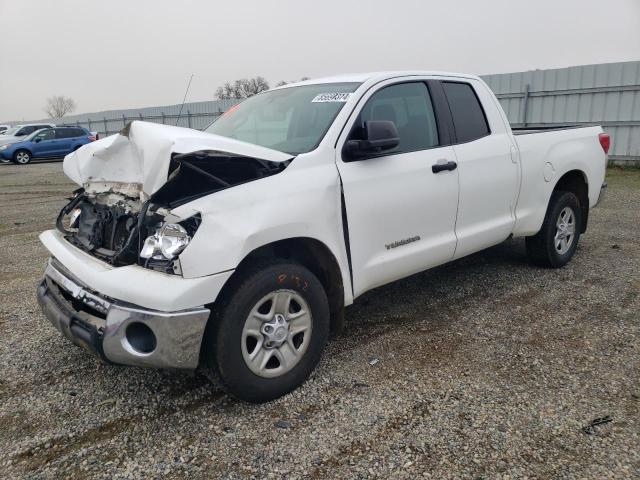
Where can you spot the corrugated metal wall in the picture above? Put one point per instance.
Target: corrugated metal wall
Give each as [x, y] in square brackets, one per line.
[604, 94]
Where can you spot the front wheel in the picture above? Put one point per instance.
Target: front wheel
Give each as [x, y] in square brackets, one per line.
[268, 332]
[22, 157]
[556, 242]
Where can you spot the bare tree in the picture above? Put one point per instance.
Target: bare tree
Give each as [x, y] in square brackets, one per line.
[243, 88]
[59, 105]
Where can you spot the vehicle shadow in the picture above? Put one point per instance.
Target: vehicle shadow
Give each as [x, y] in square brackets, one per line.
[34, 161]
[439, 288]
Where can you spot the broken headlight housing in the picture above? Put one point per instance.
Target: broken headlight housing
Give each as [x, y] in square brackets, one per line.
[166, 240]
[166, 243]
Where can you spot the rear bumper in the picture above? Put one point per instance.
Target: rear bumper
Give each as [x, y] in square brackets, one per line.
[601, 195]
[118, 332]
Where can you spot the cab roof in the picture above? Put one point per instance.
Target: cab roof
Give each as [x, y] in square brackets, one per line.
[375, 77]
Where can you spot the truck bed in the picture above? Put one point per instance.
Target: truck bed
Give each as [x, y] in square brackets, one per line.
[544, 157]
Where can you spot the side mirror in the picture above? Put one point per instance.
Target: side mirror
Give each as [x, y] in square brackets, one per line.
[37, 139]
[381, 136]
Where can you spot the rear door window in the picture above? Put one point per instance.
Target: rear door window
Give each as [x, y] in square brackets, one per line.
[469, 120]
[68, 132]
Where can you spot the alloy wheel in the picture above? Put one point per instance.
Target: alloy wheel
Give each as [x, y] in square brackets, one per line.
[22, 157]
[276, 333]
[565, 230]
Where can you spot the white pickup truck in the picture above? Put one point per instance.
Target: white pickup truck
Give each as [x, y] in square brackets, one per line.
[236, 249]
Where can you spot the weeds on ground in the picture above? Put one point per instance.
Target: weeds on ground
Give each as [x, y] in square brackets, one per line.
[623, 177]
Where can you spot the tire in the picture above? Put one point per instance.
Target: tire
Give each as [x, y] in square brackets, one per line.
[22, 157]
[556, 242]
[251, 321]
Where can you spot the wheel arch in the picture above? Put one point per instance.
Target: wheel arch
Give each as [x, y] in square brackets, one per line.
[20, 149]
[310, 253]
[576, 182]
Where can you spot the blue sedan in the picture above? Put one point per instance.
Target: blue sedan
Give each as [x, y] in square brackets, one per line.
[45, 143]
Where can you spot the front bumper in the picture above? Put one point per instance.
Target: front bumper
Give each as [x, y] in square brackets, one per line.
[134, 284]
[119, 332]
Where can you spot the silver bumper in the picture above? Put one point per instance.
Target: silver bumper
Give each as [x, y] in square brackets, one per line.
[118, 332]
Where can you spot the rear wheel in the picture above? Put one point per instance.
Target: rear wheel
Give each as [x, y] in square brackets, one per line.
[556, 242]
[22, 157]
[268, 332]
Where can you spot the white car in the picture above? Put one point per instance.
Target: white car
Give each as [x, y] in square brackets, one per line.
[18, 132]
[4, 128]
[236, 249]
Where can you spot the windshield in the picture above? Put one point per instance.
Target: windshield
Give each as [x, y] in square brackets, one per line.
[11, 131]
[31, 136]
[292, 120]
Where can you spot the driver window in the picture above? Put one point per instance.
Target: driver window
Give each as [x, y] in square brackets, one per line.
[46, 135]
[408, 105]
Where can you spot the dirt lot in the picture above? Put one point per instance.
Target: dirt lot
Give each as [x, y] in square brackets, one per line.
[487, 368]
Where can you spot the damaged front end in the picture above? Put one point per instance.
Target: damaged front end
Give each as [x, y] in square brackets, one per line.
[120, 225]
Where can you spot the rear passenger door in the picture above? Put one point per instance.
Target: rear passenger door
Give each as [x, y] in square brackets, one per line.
[64, 140]
[489, 173]
[78, 137]
[400, 213]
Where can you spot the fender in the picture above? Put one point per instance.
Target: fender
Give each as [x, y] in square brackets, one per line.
[235, 223]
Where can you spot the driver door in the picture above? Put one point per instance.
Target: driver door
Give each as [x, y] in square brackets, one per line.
[401, 212]
[43, 144]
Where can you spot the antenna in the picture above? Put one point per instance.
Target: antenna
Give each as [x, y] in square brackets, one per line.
[185, 97]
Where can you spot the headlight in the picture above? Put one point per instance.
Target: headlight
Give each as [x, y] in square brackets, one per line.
[167, 243]
[74, 218]
[4, 147]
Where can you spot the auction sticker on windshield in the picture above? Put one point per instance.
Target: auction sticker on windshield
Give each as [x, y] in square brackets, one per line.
[331, 97]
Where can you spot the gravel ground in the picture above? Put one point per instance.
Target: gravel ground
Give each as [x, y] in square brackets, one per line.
[486, 368]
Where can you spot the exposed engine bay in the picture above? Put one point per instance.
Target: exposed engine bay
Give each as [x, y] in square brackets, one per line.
[120, 226]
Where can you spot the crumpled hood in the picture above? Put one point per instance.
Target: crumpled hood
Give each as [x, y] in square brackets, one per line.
[138, 157]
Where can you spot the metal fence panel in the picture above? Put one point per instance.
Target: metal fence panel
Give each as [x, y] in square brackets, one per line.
[196, 115]
[605, 94]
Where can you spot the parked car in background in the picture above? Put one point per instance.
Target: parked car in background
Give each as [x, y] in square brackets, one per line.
[20, 131]
[4, 128]
[48, 142]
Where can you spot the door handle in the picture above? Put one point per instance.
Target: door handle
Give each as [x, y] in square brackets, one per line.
[442, 166]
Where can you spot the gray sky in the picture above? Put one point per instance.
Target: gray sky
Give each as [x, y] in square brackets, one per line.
[136, 53]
